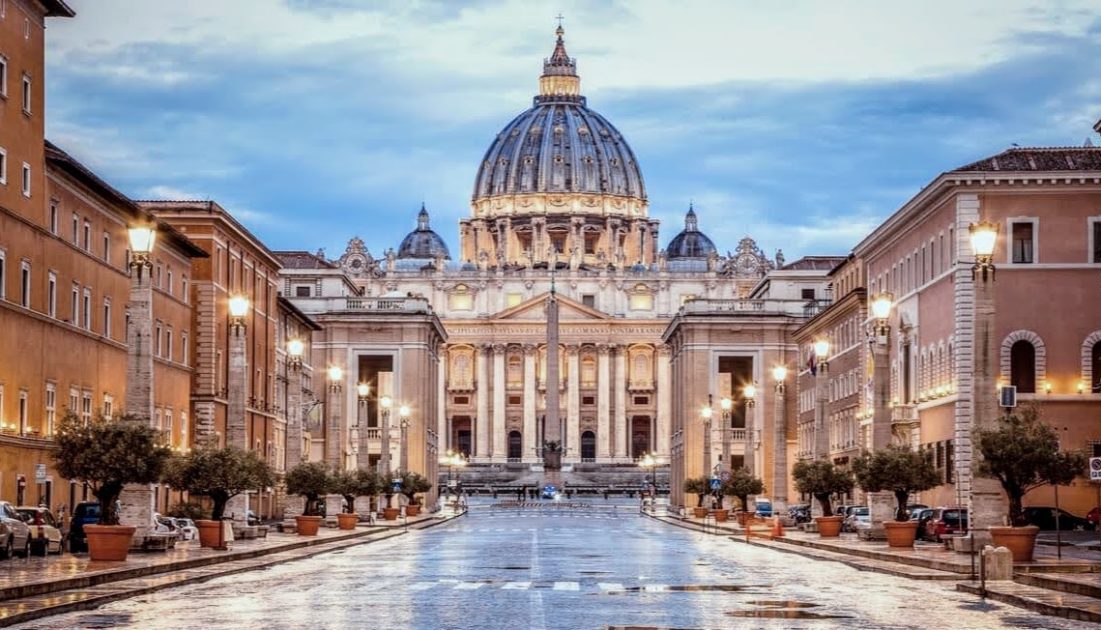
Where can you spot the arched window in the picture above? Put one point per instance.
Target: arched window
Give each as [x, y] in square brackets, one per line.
[515, 445]
[588, 446]
[1022, 367]
[1095, 361]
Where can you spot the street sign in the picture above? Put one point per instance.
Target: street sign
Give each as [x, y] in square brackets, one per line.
[1095, 469]
[40, 473]
[452, 483]
[716, 483]
[1007, 396]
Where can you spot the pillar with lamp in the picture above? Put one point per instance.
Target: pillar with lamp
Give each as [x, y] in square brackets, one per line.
[881, 504]
[333, 447]
[820, 369]
[237, 380]
[405, 421]
[706, 412]
[296, 348]
[726, 405]
[749, 396]
[986, 503]
[385, 402]
[780, 438]
[649, 461]
[357, 434]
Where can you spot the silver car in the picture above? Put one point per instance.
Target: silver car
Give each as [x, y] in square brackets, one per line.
[186, 528]
[15, 536]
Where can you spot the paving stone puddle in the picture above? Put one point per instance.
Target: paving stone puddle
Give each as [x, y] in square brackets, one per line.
[541, 569]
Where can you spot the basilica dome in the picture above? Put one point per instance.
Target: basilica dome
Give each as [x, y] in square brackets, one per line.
[423, 242]
[691, 243]
[560, 146]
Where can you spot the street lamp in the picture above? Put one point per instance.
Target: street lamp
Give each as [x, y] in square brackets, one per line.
[451, 460]
[705, 415]
[821, 391]
[139, 499]
[881, 311]
[333, 453]
[749, 392]
[142, 238]
[295, 349]
[363, 390]
[336, 378]
[650, 461]
[726, 404]
[403, 416]
[238, 309]
[385, 402]
[984, 235]
[985, 501]
[780, 438]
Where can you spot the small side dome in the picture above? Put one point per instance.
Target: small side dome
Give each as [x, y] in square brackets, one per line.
[423, 243]
[691, 243]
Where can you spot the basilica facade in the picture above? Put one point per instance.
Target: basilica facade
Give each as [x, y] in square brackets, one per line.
[559, 201]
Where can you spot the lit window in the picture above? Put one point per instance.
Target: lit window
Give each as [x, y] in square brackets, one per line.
[108, 406]
[86, 407]
[513, 299]
[74, 400]
[461, 299]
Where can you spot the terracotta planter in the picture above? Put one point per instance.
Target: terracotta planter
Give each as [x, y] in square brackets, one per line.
[307, 525]
[347, 521]
[390, 514]
[829, 526]
[1019, 540]
[699, 512]
[412, 509]
[720, 515]
[210, 534]
[109, 542]
[900, 533]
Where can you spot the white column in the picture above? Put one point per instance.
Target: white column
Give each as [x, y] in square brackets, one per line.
[621, 429]
[573, 404]
[665, 402]
[499, 403]
[529, 403]
[481, 439]
[444, 436]
[603, 383]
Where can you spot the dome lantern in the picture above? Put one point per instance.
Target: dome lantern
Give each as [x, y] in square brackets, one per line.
[691, 243]
[423, 242]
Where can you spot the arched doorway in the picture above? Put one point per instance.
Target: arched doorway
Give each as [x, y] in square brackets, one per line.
[640, 436]
[588, 446]
[1022, 366]
[515, 446]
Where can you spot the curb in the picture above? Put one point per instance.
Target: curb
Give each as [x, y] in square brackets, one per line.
[1022, 601]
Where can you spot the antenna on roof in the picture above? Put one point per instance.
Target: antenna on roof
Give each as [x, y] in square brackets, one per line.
[1014, 144]
[1088, 143]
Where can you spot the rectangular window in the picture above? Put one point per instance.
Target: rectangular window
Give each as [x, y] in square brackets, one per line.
[74, 305]
[87, 309]
[86, 407]
[3, 166]
[1023, 242]
[3, 426]
[642, 302]
[107, 317]
[26, 179]
[108, 406]
[158, 419]
[808, 294]
[158, 340]
[460, 301]
[53, 218]
[3, 70]
[22, 412]
[87, 236]
[3, 275]
[26, 94]
[183, 290]
[302, 291]
[183, 429]
[589, 300]
[168, 428]
[51, 295]
[169, 287]
[51, 408]
[107, 247]
[185, 352]
[157, 279]
[513, 299]
[168, 344]
[25, 284]
[1095, 232]
[76, 229]
[74, 400]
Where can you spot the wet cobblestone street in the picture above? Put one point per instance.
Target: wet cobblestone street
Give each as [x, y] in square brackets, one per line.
[569, 568]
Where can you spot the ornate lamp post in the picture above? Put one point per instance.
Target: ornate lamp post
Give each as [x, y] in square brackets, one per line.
[705, 416]
[780, 436]
[749, 460]
[822, 397]
[649, 461]
[726, 404]
[403, 417]
[881, 503]
[295, 349]
[385, 402]
[335, 375]
[452, 459]
[138, 499]
[985, 501]
[236, 423]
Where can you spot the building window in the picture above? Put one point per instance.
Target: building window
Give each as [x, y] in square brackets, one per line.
[76, 229]
[107, 317]
[87, 236]
[3, 69]
[53, 218]
[183, 290]
[108, 406]
[87, 309]
[1024, 243]
[169, 287]
[51, 407]
[185, 353]
[1095, 361]
[86, 408]
[461, 299]
[26, 179]
[107, 247]
[808, 294]
[3, 166]
[168, 428]
[22, 412]
[1095, 240]
[157, 341]
[3, 425]
[168, 344]
[26, 94]
[183, 429]
[159, 271]
[74, 305]
[25, 284]
[513, 299]
[1022, 367]
[74, 400]
[302, 291]
[51, 295]
[642, 302]
[589, 300]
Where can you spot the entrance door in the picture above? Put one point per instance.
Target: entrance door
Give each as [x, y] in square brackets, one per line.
[515, 446]
[640, 436]
[461, 435]
[588, 446]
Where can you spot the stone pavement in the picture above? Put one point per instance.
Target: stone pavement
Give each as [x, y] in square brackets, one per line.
[37, 587]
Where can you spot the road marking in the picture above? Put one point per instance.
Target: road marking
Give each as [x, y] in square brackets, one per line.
[516, 586]
[566, 586]
[469, 586]
[422, 586]
[610, 587]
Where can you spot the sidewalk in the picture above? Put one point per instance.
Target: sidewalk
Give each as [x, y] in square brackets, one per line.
[1069, 587]
[38, 587]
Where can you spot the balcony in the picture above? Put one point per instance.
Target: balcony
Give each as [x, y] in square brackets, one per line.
[362, 304]
[904, 415]
[800, 307]
[646, 385]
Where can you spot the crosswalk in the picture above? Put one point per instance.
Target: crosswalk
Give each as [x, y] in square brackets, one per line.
[526, 585]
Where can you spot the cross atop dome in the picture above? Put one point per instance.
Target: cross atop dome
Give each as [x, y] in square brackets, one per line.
[559, 78]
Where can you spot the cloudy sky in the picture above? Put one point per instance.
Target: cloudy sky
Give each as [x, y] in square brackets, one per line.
[802, 124]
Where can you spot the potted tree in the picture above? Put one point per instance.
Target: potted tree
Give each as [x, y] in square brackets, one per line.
[413, 484]
[389, 513]
[107, 455]
[821, 479]
[701, 487]
[1022, 453]
[309, 480]
[741, 484]
[218, 474]
[351, 484]
[901, 471]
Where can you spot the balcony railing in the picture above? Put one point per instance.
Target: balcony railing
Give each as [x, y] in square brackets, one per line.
[805, 308]
[904, 414]
[374, 433]
[364, 304]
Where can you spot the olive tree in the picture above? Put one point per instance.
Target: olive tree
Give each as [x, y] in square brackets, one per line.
[821, 479]
[219, 474]
[355, 483]
[896, 469]
[699, 486]
[741, 484]
[309, 480]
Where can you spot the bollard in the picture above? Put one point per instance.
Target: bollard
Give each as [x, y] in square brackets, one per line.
[997, 564]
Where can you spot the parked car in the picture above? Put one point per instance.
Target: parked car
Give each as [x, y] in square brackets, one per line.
[1044, 518]
[44, 531]
[914, 508]
[945, 521]
[764, 507]
[799, 514]
[858, 516]
[15, 536]
[922, 517]
[1094, 517]
[550, 492]
[186, 528]
[86, 513]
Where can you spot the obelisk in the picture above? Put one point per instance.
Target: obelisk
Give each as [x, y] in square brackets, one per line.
[552, 430]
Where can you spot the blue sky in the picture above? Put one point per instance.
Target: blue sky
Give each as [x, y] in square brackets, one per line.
[802, 124]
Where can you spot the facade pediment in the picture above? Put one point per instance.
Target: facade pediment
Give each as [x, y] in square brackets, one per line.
[535, 309]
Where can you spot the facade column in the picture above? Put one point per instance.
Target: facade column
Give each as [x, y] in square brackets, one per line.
[529, 443]
[780, 456]
[573, 403]
[137, 500]
[603, 408]
[665, 402]
[481, 439]
[499, 402]
[443, 435]
[621, 430]
[294, 417]
[881, 504]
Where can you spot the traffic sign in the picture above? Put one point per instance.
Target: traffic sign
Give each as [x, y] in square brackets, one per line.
[1095, 469]
[40, 473]
[716, 483]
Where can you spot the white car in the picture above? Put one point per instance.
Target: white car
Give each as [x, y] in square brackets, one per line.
[44, 531]
[187, 529]
[15, 536]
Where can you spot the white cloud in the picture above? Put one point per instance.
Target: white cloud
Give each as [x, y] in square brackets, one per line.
[171, 193]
